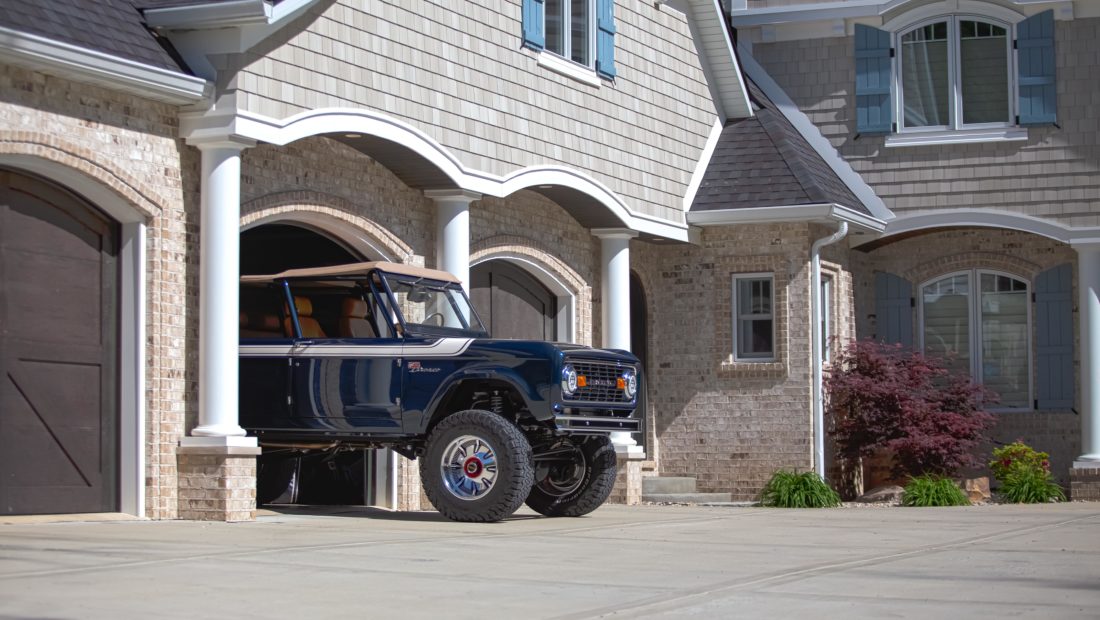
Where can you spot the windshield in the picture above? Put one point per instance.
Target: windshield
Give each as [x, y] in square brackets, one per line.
[436, 307]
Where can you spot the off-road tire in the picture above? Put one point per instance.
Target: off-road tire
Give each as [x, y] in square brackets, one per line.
[514, 468]
[600, 468]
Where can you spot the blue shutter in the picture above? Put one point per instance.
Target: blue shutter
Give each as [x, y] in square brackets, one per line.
[605, 38]
[1038, 92]
[534, 29]
[1054, 338]
[874, 111]
[893, 309]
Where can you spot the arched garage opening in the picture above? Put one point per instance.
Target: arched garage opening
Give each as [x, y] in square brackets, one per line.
[319, 477]
[59, 351]
[512, 303]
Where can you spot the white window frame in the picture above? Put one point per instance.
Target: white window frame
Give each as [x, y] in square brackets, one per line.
[974, 315]
[954, 73]
[737, 318]
[566, 53]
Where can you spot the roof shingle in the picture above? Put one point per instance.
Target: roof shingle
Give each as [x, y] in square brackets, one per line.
[764, 161]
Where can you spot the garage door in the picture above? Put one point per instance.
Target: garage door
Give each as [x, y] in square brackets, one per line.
[58, 351]
[512, 303]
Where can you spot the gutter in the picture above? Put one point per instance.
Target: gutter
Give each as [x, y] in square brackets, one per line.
[85, 65]
[820, 212]
[816, 347]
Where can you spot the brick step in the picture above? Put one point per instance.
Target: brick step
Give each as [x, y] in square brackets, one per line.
[687, 498]
[667, 484]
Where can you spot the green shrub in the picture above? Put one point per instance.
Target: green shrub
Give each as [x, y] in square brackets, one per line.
[930, 490]
[788, 489]
[1030, 486]
[1024, 475]
[1017, 455]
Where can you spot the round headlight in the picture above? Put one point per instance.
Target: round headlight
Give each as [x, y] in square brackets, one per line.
[568, 380]
[630, 379]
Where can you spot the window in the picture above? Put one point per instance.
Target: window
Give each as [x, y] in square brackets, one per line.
[754, 317]
[581, 32]
[938, 78]
[955, 74]
[979, 320]
[568, 29]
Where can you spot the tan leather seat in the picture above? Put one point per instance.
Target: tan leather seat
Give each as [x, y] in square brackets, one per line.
[310, 327]
[353, 323]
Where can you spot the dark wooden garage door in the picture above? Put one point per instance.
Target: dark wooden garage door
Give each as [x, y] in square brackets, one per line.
[512, 303]
[58, 351]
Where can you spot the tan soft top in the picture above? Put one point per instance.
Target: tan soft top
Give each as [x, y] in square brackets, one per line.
[356, 269]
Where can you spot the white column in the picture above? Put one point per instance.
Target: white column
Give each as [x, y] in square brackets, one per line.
[1088, 287]
[452, 239]
[219, 308]
[615, 303]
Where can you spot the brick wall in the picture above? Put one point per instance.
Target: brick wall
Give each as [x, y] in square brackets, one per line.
[731, 424]
[924, 257]
[128, 145]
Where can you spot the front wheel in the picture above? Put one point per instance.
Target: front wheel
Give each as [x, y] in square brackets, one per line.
[573, 479]
[477, 467]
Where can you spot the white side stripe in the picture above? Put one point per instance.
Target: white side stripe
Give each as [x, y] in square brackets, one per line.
[444, 347]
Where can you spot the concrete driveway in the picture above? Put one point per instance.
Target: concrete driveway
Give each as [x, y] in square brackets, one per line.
[629, 562]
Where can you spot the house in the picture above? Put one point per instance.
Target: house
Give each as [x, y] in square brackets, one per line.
[633, 181]
[974, 122]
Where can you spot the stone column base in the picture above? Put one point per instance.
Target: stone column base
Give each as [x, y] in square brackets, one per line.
[628, 481]
[1084, 481]
[217, 482]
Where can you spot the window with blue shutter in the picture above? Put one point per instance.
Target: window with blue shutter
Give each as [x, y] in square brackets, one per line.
[1055, 378]
[1035, 70]
[874, 113]
[893, 309]
[605, 38]
[534, 29]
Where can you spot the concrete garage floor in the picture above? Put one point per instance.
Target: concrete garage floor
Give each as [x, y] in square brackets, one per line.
[629, 562]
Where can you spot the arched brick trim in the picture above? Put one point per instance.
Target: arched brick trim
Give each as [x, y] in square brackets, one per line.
[334, 215]
[972, 260]
[527, 253]
[57, 159]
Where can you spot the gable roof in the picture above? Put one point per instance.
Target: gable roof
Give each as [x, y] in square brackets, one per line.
[113, 27]
[764, 161]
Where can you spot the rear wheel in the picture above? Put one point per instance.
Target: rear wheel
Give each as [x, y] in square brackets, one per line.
[573, 479]
[477, 467]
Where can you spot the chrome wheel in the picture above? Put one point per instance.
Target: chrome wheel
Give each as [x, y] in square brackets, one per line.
[469, 467]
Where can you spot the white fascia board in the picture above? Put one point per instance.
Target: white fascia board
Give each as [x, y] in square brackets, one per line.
[813, 136]
[226, 14]
[822, 212]
[718, 57]
[113, 72]
[992, 218]
[703, 163]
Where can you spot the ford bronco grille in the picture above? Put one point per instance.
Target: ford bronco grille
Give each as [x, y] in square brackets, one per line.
[600, 383]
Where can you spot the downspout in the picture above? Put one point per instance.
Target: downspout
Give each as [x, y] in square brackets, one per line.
[815, 348]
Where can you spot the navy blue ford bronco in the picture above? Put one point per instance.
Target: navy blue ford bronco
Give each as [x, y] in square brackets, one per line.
[383, 355]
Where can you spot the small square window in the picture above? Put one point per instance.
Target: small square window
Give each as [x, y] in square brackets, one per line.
[754, 320]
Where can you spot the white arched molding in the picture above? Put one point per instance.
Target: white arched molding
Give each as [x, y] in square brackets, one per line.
[196, 127]
[365, 236]
[562, 281]
[132, 215]
[956, 218]
[952, 7]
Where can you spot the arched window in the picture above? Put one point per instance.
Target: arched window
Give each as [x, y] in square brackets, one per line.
[955, 72]
[980, 320]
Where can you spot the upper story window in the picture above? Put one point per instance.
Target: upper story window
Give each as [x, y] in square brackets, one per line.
[578, 35]
[956, 78]
[569, 31]
[954, 74]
